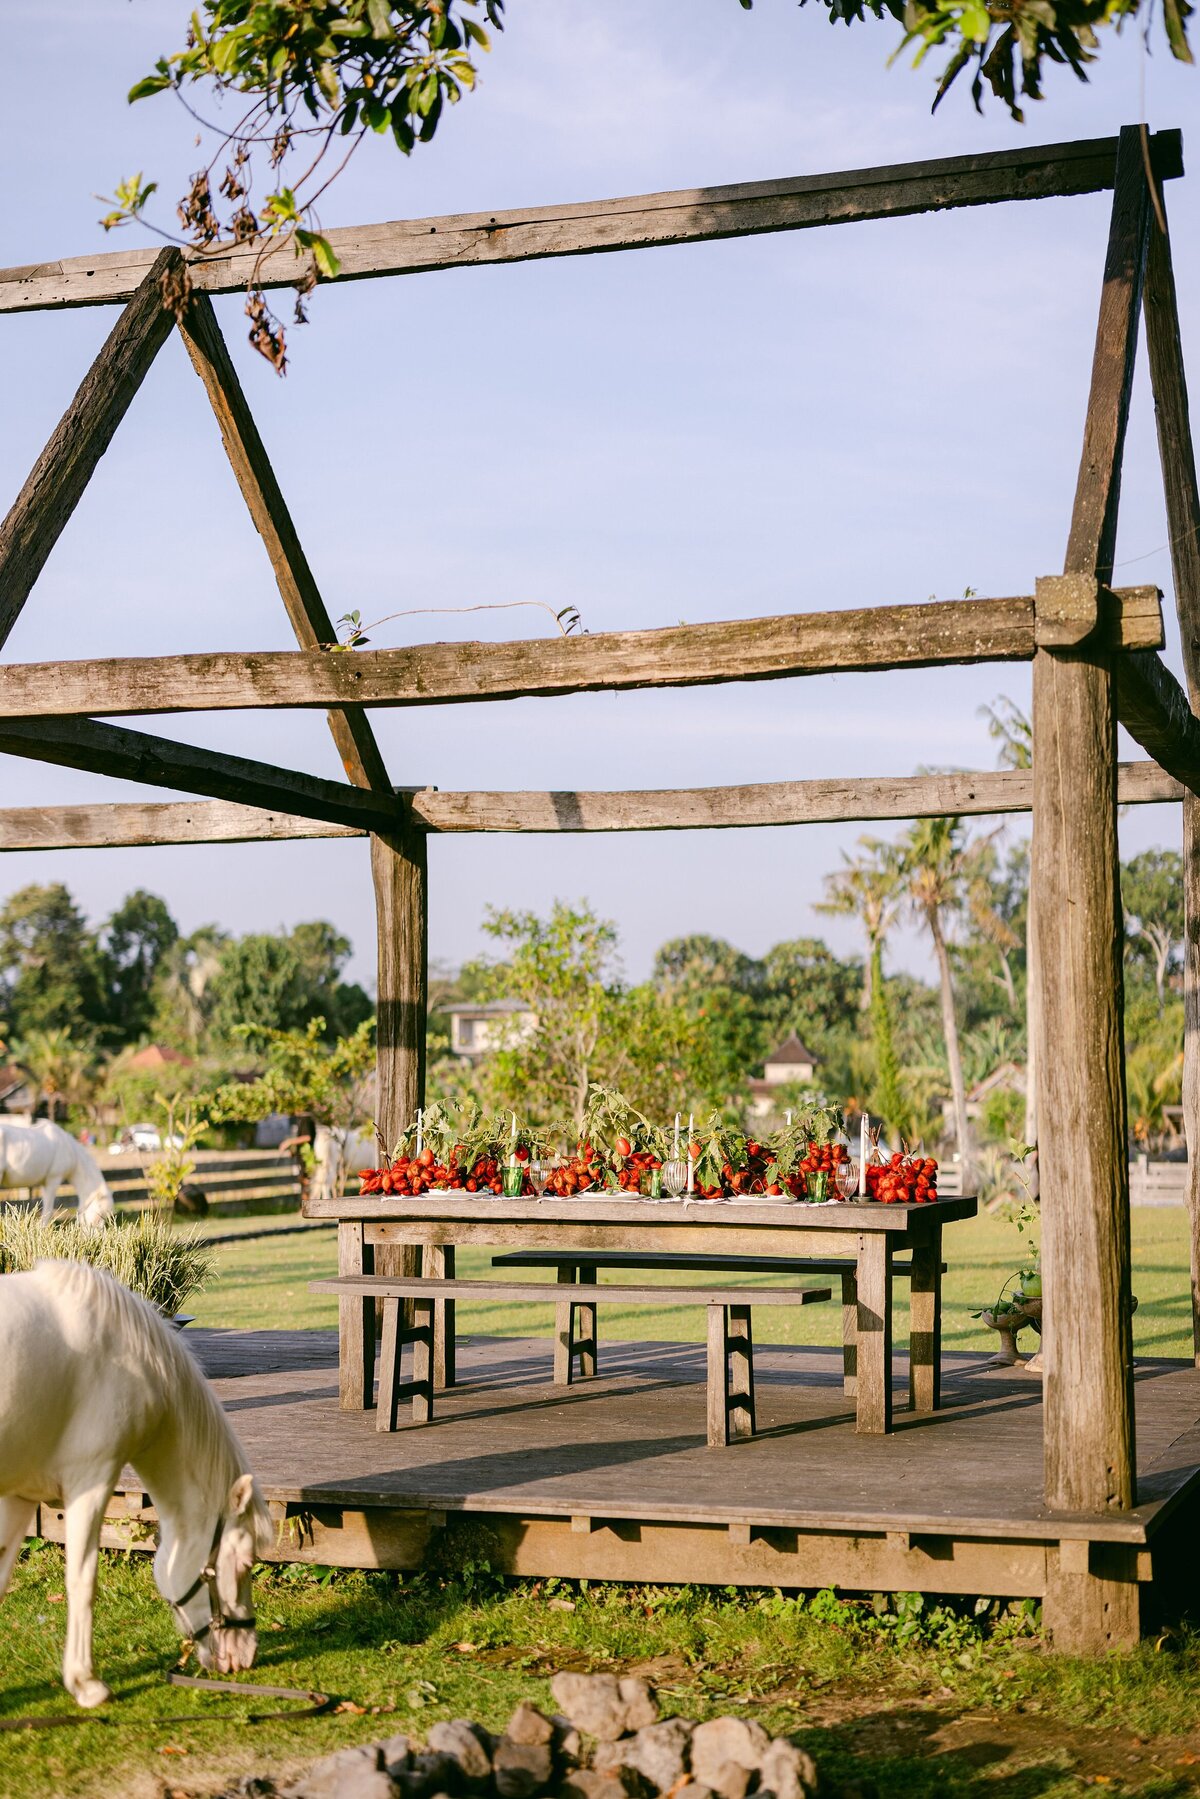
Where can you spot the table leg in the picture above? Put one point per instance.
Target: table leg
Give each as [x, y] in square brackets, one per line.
[587, 1345]
[874, 1332]
[438, 1263]
[740, 1347]
[356, 1324]
[925, 1326]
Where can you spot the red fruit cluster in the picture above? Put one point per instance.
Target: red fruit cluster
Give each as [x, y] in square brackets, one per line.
[905, 1180]
[577, 1174]
[632, 1166]
[411, 1175]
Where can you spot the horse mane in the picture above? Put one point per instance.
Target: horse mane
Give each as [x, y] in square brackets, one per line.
[213, 1447]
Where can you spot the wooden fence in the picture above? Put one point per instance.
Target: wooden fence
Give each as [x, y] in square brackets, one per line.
[239, 1180]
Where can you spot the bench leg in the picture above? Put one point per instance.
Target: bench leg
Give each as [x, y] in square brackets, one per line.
[422, 1334]
[438, 1262]
[874, 1407]
[585, 1344]
[850, 1332]
[925, 1326]
[356, 1324]
[718, 1380]
[740, 1346]
[564, 1321]
[425, 1357]
[389, 1365]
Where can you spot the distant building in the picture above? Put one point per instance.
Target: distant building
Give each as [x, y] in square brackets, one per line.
[790, 1065]
[477, 1028]
[157, 1055]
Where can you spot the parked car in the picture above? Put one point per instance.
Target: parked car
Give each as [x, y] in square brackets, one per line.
[137, 1138]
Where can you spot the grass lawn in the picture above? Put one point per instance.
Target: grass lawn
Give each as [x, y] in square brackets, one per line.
[928, 1701]
[263, 1284]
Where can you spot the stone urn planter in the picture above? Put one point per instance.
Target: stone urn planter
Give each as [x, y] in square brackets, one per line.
[1007, 1320]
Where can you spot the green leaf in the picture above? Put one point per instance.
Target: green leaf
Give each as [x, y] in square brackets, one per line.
[325, 258]
[380, 15]
[152, 84]
[974, 22]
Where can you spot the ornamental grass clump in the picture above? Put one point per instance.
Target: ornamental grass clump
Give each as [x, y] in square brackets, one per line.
[145, 1254]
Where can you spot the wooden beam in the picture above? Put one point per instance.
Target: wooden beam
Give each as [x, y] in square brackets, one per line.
[756, 649]
[134, 824]
[1154, 710]
[1087, 1342]
[1168, 378]
[64, 468]
[252, 469]
[466, 240]
[159, 762]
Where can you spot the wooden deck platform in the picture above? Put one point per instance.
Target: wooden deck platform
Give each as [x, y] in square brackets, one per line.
[612, 1479]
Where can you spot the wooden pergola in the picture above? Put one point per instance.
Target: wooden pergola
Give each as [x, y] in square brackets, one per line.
[1093, 649]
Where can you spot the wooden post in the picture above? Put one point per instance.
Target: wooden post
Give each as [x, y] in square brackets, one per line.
[1087, 1340]
[1177, 454]
[398, 869]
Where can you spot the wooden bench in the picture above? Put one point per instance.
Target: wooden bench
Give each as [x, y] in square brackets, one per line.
[585, 1266]
[730, 1340]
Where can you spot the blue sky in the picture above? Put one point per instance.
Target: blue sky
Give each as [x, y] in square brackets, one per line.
[865, 414]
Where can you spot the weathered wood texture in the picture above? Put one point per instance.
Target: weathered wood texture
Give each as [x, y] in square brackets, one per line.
[103, 749]
[64, 468]
[251, 465]
[1154, 709]
[466, 240]
[1089, 1423]
[703, 655]
[130, 824]
[1177, 454]
[399, 873]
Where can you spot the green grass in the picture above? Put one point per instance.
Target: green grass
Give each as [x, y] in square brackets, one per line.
[263, 1285]
[931, 1704]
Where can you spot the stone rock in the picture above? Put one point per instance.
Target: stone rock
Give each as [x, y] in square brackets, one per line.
[469, 1747]
[602, 1706]
[721, 1740]
[658, 1752]
[568, 1744]
[589, 1783]
[395, 1753]
[641, 1705]
[592, 1702]
[349, 1774]
[529, 1725]
[786, 1771]
[730, 1781]
[428, 1773]
[693, 1791]
[253, 1786]
[522, 1769]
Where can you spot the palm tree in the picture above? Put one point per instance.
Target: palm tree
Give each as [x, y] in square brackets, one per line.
[59, 1067]
[868, 888]
[934, 863]
[1013, 730]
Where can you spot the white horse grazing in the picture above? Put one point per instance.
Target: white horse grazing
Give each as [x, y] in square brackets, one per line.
[44, 1155]
[90, 1379]
[340, 1152]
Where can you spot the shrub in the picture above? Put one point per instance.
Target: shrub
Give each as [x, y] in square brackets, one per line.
[145, 1254]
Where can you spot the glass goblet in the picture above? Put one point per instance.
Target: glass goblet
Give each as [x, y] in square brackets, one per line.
[539, 1173]
[847, 1179]
[675, 1176]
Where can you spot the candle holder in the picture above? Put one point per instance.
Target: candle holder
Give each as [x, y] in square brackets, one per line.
[816, 1186]
[512, 1179]
[651, 1184]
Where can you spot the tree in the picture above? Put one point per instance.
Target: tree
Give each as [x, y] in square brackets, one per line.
[50, 970]
[305, 1074]
[868, 888]
[183, 988]
[1152, 895]
[60, 1067]
[279, 983]
[323, 954]
[134, 942]
[1013, 730]
[308, 80]
[933, 863]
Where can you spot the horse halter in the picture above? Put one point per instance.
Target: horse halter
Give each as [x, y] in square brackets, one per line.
[207, 1577]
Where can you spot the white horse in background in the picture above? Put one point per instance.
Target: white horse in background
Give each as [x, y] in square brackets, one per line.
[44, 1155]
[340, 1152]
[91, 1378]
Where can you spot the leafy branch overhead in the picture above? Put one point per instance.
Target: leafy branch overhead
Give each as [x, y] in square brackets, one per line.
[302, 83]
[289, 90]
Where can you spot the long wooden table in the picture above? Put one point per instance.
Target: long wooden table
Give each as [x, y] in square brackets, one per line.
[867, 1233]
